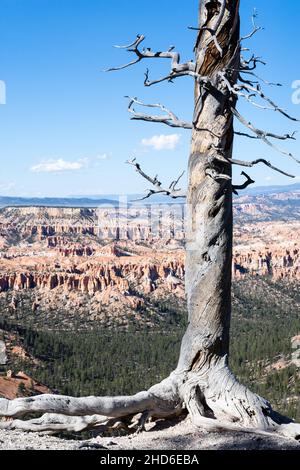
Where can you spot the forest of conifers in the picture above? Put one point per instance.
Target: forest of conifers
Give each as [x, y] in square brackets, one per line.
[113, 361]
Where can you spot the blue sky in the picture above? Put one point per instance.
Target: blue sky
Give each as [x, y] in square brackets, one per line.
[65, 129]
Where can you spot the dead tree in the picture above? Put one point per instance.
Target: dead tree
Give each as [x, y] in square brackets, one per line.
[202, 383]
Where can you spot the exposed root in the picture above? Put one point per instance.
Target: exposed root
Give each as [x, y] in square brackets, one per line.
[56, 423]
[63, 413]
[234, 402]
[139, 422]
[215, 400]
[291, 430]
[71, 406]
[214, 425]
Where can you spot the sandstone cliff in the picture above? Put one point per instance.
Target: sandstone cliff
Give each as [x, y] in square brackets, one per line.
[115, 256]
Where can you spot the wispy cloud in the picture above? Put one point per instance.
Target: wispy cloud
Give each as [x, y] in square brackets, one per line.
[162, 142]
[99, 159]
[103, 156]
[59, 165]
[6, 187]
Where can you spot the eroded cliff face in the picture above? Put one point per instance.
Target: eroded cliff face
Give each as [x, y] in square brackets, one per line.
[65, 256]
[278, 264]
[96, 276]
[267, 249]
[111, 254]
[132, 223]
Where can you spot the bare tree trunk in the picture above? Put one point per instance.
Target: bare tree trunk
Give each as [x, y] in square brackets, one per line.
[205, 346]
[209, 204]
[209, 387]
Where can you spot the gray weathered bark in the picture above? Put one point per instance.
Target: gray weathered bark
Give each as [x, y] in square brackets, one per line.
[209, 201]
[210, 386]
[202, 381]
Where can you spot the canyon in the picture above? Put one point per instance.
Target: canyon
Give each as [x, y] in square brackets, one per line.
[121, 255]
[108, 271]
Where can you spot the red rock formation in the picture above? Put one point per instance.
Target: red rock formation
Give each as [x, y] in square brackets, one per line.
[10, 386]
[278, 264]
[65, 251]
[108, 275]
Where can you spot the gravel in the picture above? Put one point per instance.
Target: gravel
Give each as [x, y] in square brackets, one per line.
[181, 436]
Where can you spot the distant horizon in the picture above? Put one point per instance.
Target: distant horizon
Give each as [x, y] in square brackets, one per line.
[120, 195]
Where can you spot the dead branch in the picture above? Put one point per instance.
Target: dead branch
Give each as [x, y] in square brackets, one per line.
[255, 29]
[170, 77]
[253, 74]
[244, 134]
[256, 162]
[171, 191]
[177, 69]
[258, 91]
[239, 187]
[250, 92]
[260, 134]
[268, 134]
[251, 64]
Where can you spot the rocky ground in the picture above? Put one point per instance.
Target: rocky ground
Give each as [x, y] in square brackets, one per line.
[180, 436]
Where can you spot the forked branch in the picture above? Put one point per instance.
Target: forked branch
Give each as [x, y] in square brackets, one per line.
[239, 187]
[256, 162]
[247, 90]
[175, 192]
[258, 92]
[177, 69]
[168, 118]
[250, 64]
[253, 74]
[263, 135]
[255, 29]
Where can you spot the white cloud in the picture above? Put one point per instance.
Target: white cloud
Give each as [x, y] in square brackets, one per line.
[269, 178]
[162, 142]
[59, 165]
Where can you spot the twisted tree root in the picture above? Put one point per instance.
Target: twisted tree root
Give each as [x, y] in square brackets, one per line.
[214, 399]
[217, 402]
